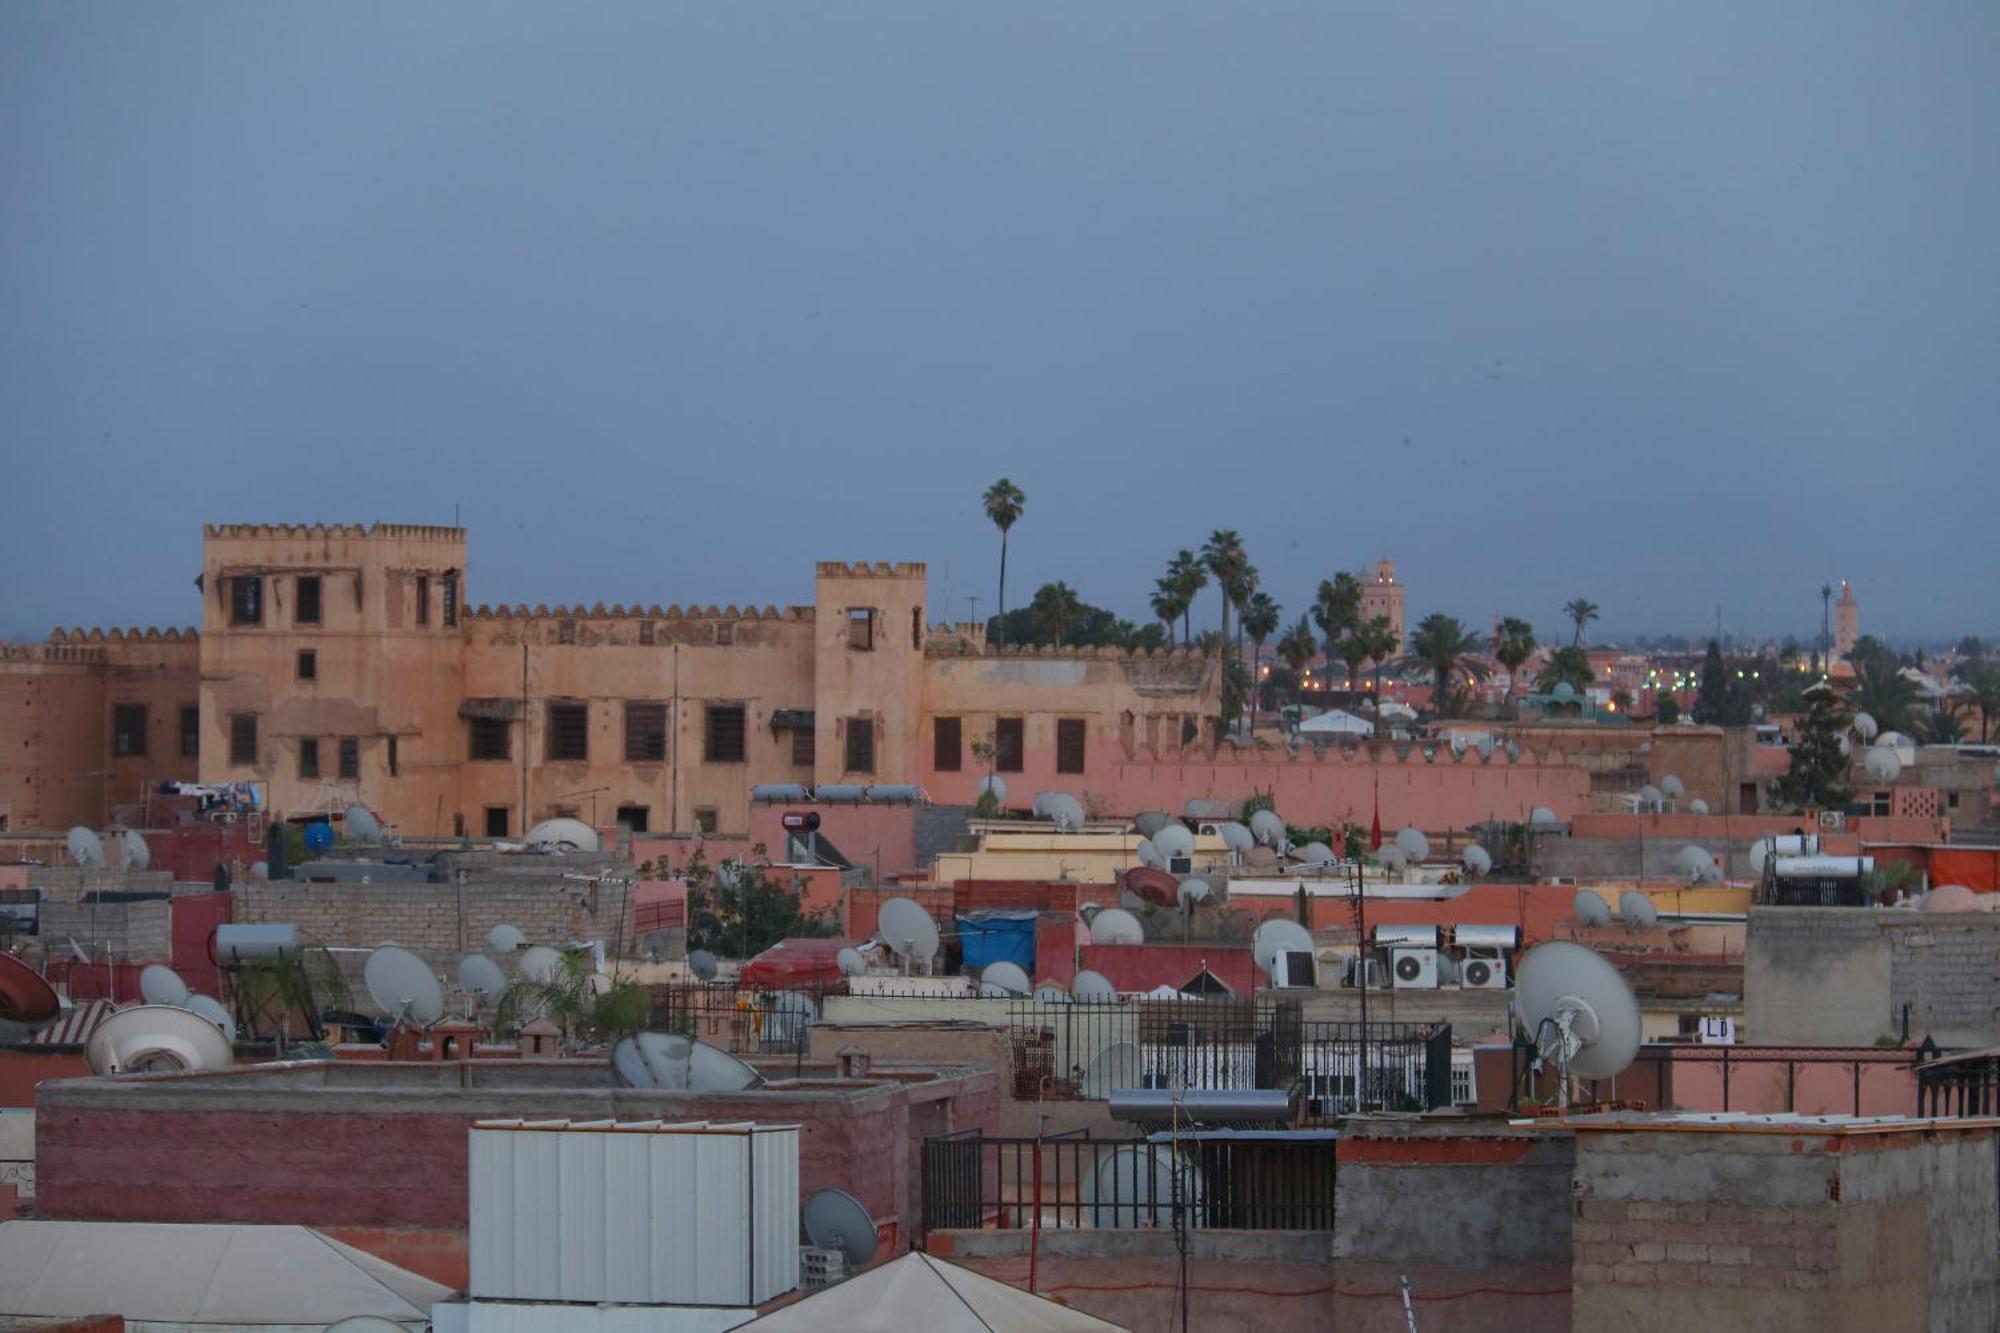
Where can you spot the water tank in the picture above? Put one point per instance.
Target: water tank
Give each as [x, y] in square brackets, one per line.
[255, 943]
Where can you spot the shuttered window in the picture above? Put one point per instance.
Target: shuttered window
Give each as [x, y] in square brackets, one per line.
[947, 744]
[569, 732]
[1070, 732]
[645, 733]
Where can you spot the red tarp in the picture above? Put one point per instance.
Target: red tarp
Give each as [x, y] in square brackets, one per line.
[796, 963]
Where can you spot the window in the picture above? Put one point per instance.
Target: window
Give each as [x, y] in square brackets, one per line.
[569, 732]
[457, 825]
[1189, 731]
[190, 731]
[947, 744]
[350, 757]
[246, 600]
[128, 729]
[396, 757]
[423, 599]
[634, 817]
[565, 631]
[645, 733]
[723, 734]
[725, 632]
[860, 745]
[646, 633]
[242, 738]
[861, 629]
[804, 751]
[451, 599]
[308, 664]
[308, 756]
[491, 737]
[496, 821]
[704, 819]
[917, 628]
[1007, 744]
[305, 609]
[1070, 732]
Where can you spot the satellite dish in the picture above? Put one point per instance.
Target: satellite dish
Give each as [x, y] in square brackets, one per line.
[1882, 763]
[1236, 837]
[1579, 1011]
[1459, 742]
[403, 986]
[850, 962]
[1149, 822]
[1279, 935]
[1650, 799]
[835, 1220]
[365, 1323]
[1151, 884]
[1149, 855]
[1194, 889]
[786, 1019]
[655, 945]
[539, 964]
[1393, 858]
[1115, 925]
[1068, 815]
[1117, 1065]
[1088, 910]
[1414, 844]
[1950, 898]
[1006, 977]
[480, 977]
[1174, 840]
[155, 1038]
[1050, 993]
[1088, 987]
[261, 870]
[1316, 854]
[1267, 827]
[702, 965]
[1476, 860]
[137, 854]
[1133, 1186]
[1672, 788]
[504, 938]
[1039, 807]
[908, 929]
[1486, 747]
[1694, 859]
[1591, 909]
[211, 1009]
[1542, 817]
[673, 1063]
[1697, 806]
[85, 849]
[563, 835]
[995, 786]
[26, 997]
[362, 825]
[318, 835]
[1864, 726]
[160, 984]
[1637, 910]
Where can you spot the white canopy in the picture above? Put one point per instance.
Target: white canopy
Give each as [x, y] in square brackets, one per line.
[1336, 722]
[202, 1276]
[917, 1291]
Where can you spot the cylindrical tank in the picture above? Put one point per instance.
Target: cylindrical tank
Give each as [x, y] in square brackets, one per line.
[1155, 1106]
[236, 943]
[1796, 844]
[1824, 867]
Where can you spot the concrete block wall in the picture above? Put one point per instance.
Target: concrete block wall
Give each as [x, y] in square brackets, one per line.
[1946, 968]
[939, 827]
[137, 930]
[443, 921]
[1842, 976]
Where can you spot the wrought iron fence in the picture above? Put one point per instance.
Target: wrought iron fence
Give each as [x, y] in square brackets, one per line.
[1226, 1179]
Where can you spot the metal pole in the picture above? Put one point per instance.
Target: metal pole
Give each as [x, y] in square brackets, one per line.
[1361, 967]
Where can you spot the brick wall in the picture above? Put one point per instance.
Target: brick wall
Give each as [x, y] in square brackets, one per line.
[140, 930]
[443, 921]
[1843, 976]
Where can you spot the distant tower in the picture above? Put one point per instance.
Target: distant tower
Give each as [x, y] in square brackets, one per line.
[1381, 595]
[1846, 620]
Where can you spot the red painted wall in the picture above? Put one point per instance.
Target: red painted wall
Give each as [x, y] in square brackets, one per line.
[1141, 967]
[21, 1070]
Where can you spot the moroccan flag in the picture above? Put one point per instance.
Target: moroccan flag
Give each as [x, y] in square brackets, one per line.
[1375, 828]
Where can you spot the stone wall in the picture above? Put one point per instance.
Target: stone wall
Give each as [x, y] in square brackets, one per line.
[1843, 976]
[141, 930]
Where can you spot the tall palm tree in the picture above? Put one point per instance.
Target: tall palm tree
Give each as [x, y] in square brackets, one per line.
[1985, 696]
[1189, 576]
[1260, 621]
[1168, 605]
[1884, 693]
[1225, 558]
[1004, 503]
[1513, 644]
[1058, 607]
[1378, 641]
[1581, 611]
[1567, 663]
[1337, 605]
[1297, 650]
[1448, 649]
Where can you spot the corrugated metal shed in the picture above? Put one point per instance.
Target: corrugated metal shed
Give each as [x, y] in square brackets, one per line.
[642, 1212]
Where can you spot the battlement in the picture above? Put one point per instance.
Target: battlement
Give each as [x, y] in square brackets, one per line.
[619, 611]
[135, 634]
[965, 644]
[319, 531]
[881, 569]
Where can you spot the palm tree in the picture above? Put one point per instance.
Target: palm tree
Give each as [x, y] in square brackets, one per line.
[1337, 606]
[1058, 607]
[1189, 576]
[1004, 503]
[1985, 696]
[1297, 650]
[1513, 644]
[1567, 663]
[1447, 648]
[1224, 556]
[1168, 605]
[1260, 622]
[1378, 642]
[1582, 611]
[1241, 589]
[1943, 728]
[1885, 693]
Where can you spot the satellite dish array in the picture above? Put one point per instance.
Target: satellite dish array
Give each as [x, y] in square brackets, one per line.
[87, 849]
[1579, 1012]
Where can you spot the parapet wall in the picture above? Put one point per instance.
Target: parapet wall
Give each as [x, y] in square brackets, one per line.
[344, 531]
[1839, 976]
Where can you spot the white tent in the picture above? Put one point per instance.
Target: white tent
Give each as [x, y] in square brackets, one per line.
[917, 1291]
[1336, 722]
[191, 1276]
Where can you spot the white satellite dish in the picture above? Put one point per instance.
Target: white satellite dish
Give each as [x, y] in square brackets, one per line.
[365, 1323]
[1267, 827]
[85, 848]
[1316, 854]
[1088, 987]
[1088, 910]
[1672, 787]
[908, 929]
[1414, 844]
[702, 965]
[1174, 840]
[1149, 822]
[1118, 1065]
[481, 977]
[211, 1009]
[1236, 837]
[995, 786]
[1650, 800]
[403, 986]
[1135, 1186]
[1882, 763]
[362, 826]
[1542, 817]
[137, 854]
[1393, 858]
[1637, 910]
[674, 1063]
[1194, 889]
[1591, 909]
[160, 984]
[1050, 993]
[563, 835]
[1476, 860]
[539, 964]
[1279, 935]
[1007, 978]
[835, 1220]
[1578, 1010]
[789, 1015]
[1697, 806]
[1149, 855]
[1865, 727]
[1693, 860]
[504, 938]
[1115, 925]
[850, 962]
[156, 1038]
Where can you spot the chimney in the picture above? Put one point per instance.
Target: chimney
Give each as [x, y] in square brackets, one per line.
[853, 1061]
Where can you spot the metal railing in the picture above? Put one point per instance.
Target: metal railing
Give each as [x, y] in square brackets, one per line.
[1194, 1180]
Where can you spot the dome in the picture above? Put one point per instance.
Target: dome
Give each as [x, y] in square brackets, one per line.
[1563, 690]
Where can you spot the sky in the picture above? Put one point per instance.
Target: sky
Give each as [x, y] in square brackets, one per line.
[1684, 308]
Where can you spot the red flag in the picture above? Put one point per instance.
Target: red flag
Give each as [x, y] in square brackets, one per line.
[1375, 828]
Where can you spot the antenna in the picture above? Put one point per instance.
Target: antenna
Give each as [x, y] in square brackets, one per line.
[1050, 993]
[504, 938]
[137, 854]
[1865, 726]
[156, 1038]
[1697, 806]
[1088, 987]
[909, 930]
[1150, 822]
[1152, 884]
[1174, 840]
[1882, 763]
[318, 835]
[995, 786]
[404, 987]
[365, 1323]
[1118, 1064]
[1591, 909]
[481, 978]
[655, 945]
[786, 1021]
[1006, 978]
[362, 825]
[1194, 889]
[835, 1220]
[1115, 925]
[1697, 866]
[85, 849]
[1235, 836]
[850, 962]
[1637, 910]
[1149, 855]
[1316, 854]
[1672, 787]
[702, 965]
[1278, 935]
[1543, 817]
[1579, 1011]
[1650, 800]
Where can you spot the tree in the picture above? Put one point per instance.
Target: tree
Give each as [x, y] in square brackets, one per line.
[1712, 700]
[1971, 651]
[1581, 611]
[1869, 649]
[1239, 590]
[1378, 642]
[737, 911]
[1188, 576]
[1446, 648]
[1004, 503]
[1513, 644]
[1297, 649]
[1168, 603]
[1260, 622]
[1224, 557]
[1942, 728]
[1336, 607]
[1566, 664]
[1882, 691]
[1818, 768]
[1666, 709]
[570, 998]
[1059, 608]
[1985, 696]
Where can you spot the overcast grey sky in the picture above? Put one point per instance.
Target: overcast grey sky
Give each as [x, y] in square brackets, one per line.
[1669, 305]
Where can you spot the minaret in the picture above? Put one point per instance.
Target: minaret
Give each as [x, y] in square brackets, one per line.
[1846, 620]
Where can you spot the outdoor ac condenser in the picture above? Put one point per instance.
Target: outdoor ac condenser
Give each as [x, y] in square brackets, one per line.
[1413, 969]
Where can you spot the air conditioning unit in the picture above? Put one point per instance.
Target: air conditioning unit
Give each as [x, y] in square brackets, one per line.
[1833, 820]
[1483, 972]
[1562, 879]
[1351, 976]
[1294, 968]
[1413, 969]
[1208, 830]
[1180, 865]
